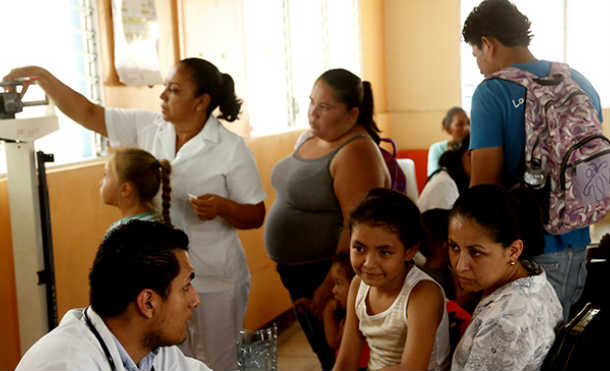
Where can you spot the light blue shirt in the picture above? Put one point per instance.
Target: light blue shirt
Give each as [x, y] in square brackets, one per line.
[146, 364]
[434, 154]
[146, 216]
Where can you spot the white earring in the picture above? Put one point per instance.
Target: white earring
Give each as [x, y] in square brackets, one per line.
[512, 263]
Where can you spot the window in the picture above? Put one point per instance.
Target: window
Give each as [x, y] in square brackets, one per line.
[60, 36]
[563, 31]
[288, 44]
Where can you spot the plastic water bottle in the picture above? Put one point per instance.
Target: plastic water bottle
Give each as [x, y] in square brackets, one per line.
[534, 176]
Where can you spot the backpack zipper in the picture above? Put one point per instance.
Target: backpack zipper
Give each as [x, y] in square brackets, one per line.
[564, 163]
[566, 100]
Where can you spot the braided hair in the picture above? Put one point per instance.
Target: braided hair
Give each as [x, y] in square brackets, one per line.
[146, 173]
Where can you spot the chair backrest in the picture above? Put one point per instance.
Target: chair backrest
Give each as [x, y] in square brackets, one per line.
[580, 344]
[408, 167]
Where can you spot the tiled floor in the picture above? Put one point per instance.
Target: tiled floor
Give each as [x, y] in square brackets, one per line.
[293, 351]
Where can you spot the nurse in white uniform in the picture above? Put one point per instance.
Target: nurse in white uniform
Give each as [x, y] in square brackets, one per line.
[216, 188]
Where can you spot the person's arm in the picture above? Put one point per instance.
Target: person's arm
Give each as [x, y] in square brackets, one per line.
[352, 340]
[70, 102]
[486, 166]
[356, 169]
[332, 326]
[424, 314]
[434, 154]
[243, 207]
[241, 216]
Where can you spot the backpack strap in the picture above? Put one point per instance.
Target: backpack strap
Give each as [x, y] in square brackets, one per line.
[389, 140]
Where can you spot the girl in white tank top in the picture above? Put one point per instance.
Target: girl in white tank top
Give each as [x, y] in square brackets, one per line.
[393, 305]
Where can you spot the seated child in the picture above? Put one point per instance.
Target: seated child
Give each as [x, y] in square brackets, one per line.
[334, 312]
[434, 247]
[132, 178]
[392, 304]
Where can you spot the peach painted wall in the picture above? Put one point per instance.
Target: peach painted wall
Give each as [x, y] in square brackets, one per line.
[422, 44]
[422, 68]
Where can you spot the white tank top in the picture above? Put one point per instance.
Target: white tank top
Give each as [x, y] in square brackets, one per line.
[386, 332]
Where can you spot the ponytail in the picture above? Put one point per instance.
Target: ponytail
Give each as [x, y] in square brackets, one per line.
[506, 215]
[146, 173]
[219, 86]
[530, 218]
[229, 104]
[366, 109]
[353, 92]
[166, 190]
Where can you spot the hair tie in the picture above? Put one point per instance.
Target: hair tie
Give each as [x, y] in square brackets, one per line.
[157, 163]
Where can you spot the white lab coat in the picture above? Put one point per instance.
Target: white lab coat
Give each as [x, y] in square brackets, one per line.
[214, 161]
[72, 346]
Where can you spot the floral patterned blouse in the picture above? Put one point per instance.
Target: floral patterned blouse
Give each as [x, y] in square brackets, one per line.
[513, 328]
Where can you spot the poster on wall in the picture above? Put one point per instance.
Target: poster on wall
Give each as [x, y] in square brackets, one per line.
[136, 39]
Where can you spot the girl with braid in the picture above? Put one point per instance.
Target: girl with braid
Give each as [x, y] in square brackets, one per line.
[216, 189]
[132, 178]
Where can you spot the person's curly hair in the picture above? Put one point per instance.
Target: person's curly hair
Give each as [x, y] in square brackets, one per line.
[499, 19]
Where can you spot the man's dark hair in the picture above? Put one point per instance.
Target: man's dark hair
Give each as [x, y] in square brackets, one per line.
[499, 19]
[133, 257]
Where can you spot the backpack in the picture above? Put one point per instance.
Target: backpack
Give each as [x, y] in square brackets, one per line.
[399, 180]
[567, 157]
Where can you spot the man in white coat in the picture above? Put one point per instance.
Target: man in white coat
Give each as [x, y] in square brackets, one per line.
[141, 299]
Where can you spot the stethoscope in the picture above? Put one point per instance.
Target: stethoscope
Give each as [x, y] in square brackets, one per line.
[101, 341]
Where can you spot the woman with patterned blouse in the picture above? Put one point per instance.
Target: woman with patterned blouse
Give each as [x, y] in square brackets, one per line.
[492, 234]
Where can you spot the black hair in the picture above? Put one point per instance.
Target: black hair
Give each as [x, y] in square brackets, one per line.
[436, 224]
[343, 261]
[390, 209]
[451, 160]
[449, 116]
[353, 92]
[219, 86]
[132, 257]
[506, 215]
[499, 19]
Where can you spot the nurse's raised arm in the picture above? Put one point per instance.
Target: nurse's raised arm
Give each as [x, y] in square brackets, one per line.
[69, 101]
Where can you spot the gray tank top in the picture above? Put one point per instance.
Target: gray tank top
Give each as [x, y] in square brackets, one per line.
[305, 220]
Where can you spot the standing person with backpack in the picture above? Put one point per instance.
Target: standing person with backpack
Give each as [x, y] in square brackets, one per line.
[317, 187]
[513, 128]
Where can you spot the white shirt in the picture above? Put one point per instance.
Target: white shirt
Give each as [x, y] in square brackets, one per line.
[214, 161]
[73, 346]
[440, 192]
[513, 327]
[386, 332]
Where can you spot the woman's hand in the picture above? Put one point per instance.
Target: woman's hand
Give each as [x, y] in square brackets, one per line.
[242, 216]
[21, 72]
[69, 101]
[207, 206]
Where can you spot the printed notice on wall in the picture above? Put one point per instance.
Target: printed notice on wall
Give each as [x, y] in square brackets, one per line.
[136, 38]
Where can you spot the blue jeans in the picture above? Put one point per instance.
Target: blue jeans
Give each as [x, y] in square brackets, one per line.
[566, 271]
